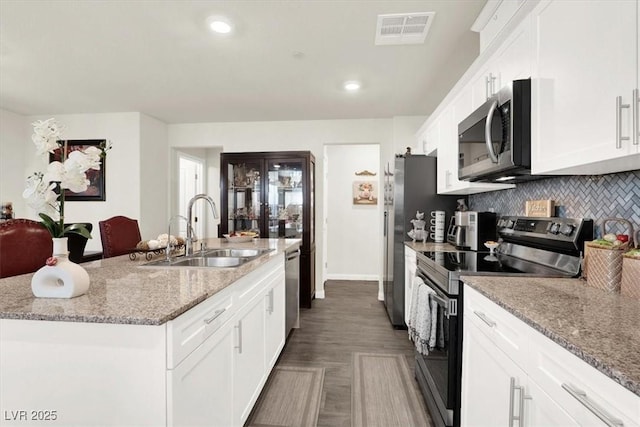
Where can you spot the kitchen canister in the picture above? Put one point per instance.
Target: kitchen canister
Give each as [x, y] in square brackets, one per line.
[630, 282]
[602, 264]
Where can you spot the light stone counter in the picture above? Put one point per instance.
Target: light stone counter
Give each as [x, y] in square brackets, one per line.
[601, 328]
[123, 292]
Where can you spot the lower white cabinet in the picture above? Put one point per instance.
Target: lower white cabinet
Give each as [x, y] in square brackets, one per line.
[205, 367]
[487, 387]
[512, 375]
[249, 365]
[410, 267]
[199, 389]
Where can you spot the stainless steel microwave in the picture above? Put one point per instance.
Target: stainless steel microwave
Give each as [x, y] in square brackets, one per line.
[494, 142]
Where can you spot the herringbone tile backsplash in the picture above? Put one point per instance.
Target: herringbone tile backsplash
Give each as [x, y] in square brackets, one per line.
[594, 196]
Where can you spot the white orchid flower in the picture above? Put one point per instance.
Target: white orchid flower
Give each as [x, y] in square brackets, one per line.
[74, 179]
[46, 134]
[84, 161]
[55, 172]
[40, 195]
[94, 154]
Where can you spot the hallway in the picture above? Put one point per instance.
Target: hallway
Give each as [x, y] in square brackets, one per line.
[349, 320]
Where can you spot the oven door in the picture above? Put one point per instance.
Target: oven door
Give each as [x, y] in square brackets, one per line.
[438, 372]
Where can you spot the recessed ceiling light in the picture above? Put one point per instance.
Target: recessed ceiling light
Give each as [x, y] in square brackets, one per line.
[219, 24]
[352, 86]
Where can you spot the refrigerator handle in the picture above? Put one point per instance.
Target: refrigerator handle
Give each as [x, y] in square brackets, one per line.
[386, 222]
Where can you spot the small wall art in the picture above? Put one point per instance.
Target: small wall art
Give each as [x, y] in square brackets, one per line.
[96, 189]
[365, 193]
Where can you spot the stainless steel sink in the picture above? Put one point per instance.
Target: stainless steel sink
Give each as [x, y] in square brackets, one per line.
[221, 258]
[230, 252]
[222, 261]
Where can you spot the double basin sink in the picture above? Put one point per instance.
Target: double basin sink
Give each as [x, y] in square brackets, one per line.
[227, 257]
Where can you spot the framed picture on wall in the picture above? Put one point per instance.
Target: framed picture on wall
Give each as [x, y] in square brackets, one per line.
[365, 193]
[96, 189]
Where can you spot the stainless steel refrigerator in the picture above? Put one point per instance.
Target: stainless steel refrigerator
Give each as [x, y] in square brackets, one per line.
[410, 186]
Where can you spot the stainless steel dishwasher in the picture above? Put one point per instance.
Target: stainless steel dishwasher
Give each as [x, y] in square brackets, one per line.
[292, 285]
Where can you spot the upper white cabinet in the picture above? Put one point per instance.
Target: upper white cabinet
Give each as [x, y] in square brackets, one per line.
[584, 76]
[512, 61]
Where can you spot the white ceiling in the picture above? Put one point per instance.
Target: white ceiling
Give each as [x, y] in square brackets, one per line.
[158, 57]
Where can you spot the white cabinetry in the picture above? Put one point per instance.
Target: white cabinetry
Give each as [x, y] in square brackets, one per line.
[193, 399]
[511, 372]
[409, 274]
[487, 372]
[512, 61]
[205, 367]
[586, 62]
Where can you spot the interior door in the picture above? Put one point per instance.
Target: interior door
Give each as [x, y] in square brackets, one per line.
[191, 183]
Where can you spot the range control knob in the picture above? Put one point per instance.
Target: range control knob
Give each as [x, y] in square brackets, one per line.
[554, 228]
[567, 229]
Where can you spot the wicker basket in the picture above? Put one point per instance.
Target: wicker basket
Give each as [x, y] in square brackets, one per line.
[602, 265]
[630, 282]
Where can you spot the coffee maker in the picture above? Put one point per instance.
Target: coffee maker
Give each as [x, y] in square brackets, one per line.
[469, 230]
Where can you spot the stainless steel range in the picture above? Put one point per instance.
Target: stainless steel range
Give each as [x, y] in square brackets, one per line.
[541, 247]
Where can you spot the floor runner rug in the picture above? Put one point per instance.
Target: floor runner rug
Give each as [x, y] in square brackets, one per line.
[383, 392]
[291, 397]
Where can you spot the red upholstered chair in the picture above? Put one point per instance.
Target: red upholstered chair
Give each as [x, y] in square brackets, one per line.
[25, 245]
[119, 235]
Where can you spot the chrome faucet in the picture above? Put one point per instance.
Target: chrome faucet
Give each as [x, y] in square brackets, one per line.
[168, 249]
[189, 240]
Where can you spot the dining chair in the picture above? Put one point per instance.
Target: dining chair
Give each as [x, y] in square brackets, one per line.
[119, 235]
[25, 246]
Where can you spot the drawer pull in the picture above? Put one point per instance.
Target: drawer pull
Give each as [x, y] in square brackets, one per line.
[485, 319]
[582, 397]
[239, 328]
[216, 314]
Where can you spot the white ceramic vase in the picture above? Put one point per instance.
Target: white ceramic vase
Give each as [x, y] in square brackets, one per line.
[65, 279]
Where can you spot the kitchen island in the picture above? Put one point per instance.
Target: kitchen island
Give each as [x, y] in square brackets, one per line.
[573, 351]
[144, 346]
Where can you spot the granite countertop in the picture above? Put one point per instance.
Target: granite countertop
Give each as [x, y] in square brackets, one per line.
[122, 292]
[430, 246]
[601, 328]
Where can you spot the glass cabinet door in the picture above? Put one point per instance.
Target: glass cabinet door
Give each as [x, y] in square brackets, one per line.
[244, 188]
[285, 198]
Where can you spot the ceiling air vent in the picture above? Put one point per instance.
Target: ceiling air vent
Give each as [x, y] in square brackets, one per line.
[403, 28]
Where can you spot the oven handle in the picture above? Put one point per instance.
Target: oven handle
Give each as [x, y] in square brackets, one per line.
[487, 132]
[450, 305]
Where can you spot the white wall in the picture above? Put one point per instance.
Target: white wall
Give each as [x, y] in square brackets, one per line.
[154, 177]
[15, 140]
[353, 231]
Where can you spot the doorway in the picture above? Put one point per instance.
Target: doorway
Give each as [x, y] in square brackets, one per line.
[190, 183]
[351, 229]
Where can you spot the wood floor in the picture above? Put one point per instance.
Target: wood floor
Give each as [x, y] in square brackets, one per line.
[349, 320]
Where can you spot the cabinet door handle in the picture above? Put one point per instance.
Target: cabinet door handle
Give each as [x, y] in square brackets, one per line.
[484, 318]
[619, 107]
[270, 303]
[635, 99]
[239, 328]
[582, 397]
[512, 416]
[216, 314]
[486, 88]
